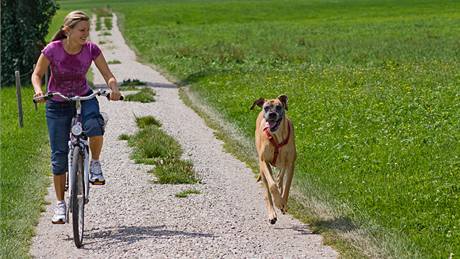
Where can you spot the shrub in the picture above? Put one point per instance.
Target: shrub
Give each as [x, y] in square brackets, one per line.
[24, 27]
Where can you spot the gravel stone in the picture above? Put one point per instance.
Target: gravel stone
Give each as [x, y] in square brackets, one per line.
[133, 217]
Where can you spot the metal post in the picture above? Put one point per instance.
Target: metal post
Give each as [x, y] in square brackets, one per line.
[19, 98]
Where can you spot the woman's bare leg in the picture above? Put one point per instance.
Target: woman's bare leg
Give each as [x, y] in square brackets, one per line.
[95, 145]
[59, 186]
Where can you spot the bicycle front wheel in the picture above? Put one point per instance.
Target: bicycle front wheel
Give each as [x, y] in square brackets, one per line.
[77, 196]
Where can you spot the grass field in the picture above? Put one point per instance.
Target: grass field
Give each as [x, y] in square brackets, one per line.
[24, 163]
[374, 90]
[374, 96]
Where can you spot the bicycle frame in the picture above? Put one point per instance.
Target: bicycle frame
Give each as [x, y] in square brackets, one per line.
[78, 138]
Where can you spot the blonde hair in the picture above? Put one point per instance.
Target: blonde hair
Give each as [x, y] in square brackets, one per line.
[70, 21]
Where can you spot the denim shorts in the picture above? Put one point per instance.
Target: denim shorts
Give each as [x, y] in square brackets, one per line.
[59, 119]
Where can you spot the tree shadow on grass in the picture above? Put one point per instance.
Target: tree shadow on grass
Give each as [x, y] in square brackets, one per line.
[197, 76]
[151, 84]
[133, 234]
[340, 224]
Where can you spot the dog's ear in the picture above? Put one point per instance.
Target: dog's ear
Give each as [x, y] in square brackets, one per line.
[259, 102]
[284, 99]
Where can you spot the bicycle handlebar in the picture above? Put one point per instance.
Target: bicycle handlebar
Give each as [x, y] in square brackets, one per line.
[98, 92]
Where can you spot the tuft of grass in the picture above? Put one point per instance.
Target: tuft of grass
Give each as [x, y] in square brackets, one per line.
[153, 146]
[186, 193]
[145, 121]
[105, 33]
[144, 95]
[98, 25]
[151, 143]
[175, 171]
[132, 82]
[115, 61]
[124, 137]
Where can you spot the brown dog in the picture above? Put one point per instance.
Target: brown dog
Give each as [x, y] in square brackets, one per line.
[276, 148]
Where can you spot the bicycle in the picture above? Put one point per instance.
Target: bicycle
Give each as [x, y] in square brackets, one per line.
[78, 159]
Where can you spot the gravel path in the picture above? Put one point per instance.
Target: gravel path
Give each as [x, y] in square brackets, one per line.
[132, 217]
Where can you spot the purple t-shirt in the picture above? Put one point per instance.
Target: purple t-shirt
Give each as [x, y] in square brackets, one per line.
[68, 72]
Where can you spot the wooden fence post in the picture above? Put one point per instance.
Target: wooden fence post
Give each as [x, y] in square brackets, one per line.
[19, 98]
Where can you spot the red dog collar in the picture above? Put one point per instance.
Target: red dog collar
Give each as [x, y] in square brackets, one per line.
[273, 141]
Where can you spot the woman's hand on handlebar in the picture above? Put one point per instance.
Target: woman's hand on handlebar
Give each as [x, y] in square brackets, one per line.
[39, 97]
[115, 95]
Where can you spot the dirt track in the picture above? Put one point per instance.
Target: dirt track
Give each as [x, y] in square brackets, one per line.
[133, 217]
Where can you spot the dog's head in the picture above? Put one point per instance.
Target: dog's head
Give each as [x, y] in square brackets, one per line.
[273, 110]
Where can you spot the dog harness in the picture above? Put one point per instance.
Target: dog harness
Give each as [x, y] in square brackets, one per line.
[273, 141]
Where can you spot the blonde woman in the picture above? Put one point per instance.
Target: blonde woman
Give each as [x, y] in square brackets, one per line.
[69, 55]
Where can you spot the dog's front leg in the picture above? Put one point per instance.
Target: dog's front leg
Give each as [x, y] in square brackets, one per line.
[285, 193]
[268, 202]
[272, 186]
[280, 180]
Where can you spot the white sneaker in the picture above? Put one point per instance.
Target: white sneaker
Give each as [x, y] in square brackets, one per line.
[96, 177]
[59, 213]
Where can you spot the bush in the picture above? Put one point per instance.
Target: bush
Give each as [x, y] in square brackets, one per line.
[24, 27]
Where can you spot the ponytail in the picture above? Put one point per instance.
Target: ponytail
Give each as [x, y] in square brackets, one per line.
[59, 35]
[70, 21]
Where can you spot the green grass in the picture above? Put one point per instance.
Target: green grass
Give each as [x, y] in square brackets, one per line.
[373, 95]
[106, 33]
[104, 16]
[24, 170]
[144, 95]
[123, 137]
[115, 61]
[175, 171]
[145, 121]
[56, 23]
[132, 82]
[153, 146]
[186, 193]
[373, 92]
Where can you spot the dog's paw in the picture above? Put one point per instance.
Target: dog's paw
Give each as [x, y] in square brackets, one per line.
[272, 221]
[284, 209]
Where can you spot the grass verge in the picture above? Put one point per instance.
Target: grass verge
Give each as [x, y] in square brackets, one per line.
[24, 172]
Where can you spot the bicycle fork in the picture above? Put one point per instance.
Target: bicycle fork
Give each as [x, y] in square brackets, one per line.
[84, 149]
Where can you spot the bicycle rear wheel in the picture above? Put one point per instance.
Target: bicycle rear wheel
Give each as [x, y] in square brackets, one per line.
[77, 196]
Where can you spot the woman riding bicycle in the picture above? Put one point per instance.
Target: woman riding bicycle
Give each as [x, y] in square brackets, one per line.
[69, 56]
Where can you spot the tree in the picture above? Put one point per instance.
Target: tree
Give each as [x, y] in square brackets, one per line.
[24, 26]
